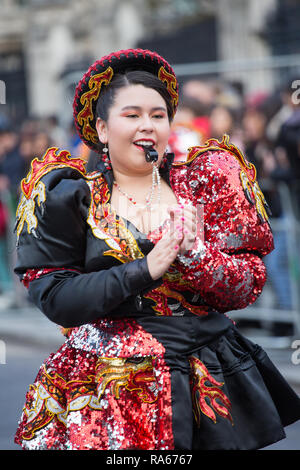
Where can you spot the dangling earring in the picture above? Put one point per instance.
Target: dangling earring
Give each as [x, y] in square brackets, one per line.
[105, 157]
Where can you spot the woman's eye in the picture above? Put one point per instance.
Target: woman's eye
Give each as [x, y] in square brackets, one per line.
[158, 116]
[132, 115]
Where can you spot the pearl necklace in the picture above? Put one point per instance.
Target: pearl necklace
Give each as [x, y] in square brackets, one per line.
[150, 196]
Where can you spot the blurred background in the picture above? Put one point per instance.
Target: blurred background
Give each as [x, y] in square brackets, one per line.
[238, 65]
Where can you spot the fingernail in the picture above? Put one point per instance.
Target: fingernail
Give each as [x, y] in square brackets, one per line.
[176, 247]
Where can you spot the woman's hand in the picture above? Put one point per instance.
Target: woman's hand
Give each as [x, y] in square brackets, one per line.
[184, 219]
[164, 253]
[180, 238]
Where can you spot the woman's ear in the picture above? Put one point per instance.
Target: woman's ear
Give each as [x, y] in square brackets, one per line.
[101, 130]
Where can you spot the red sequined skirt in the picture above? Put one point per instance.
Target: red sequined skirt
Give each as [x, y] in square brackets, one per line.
[157, 384]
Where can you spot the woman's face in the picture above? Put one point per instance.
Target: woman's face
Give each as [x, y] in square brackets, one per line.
[138, 116]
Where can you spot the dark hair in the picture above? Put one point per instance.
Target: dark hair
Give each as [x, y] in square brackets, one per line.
[133, 77]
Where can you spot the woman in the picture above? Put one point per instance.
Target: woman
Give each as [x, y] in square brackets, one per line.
[149, 362]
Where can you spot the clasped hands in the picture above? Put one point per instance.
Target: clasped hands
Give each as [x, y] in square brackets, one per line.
[183, 223]
[179, 239]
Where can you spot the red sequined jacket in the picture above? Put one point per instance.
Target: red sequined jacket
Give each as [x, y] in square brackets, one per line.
[227, 269]
[80, 261]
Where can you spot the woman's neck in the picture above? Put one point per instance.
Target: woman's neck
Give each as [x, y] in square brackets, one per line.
[133, 183]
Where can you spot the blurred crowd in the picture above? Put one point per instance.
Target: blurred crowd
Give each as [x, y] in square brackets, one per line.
[266, 127]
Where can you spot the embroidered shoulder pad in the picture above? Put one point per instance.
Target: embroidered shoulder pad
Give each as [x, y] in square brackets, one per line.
[50, 161]
[247, 172]
[34, 190]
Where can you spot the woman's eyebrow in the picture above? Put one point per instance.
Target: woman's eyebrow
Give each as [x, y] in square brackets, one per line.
[138, 108]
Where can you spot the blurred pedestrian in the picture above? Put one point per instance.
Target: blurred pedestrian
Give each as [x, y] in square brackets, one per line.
[190, 127]
[222, 121]
[10, 176]
[273, 167]
[55, 132]
[204, 92]
[11, 165]
[289, 131]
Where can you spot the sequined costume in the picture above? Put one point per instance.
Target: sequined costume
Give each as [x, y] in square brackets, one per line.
[148, 364]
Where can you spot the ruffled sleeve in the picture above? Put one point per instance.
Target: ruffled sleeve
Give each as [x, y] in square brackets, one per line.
[226, 265]
[51, 246]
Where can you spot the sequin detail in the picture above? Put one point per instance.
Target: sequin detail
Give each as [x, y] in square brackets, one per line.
[115, 338]
[227, 270]
[81, 400]
[33, 274]
[247, 173]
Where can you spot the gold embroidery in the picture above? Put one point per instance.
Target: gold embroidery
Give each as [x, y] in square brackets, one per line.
[160, 296]
[86, 116]
[50, 160]
[47, 400]
[172, 283]
[34, 190]
[200, 378]
[26, 209]
[107, 227]
[134, 375]
[260, 202]
[170, 80]
[55, 397]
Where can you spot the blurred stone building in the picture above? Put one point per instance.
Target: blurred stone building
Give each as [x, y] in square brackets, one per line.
[46, 44]
[42, 42]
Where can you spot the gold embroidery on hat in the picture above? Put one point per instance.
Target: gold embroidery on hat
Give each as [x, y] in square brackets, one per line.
[170, 80]
[86, 116]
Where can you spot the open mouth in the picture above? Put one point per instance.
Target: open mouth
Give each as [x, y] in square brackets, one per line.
[144, 144]
[147, 146]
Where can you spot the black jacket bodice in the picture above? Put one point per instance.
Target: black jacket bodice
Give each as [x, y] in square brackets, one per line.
[81, 261]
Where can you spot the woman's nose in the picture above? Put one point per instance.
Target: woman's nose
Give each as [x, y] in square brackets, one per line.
[146, 123]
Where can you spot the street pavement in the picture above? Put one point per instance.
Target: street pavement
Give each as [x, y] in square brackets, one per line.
[29, 325]
[27, 337]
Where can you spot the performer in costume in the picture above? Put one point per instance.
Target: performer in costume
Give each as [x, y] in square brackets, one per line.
[151, 360]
